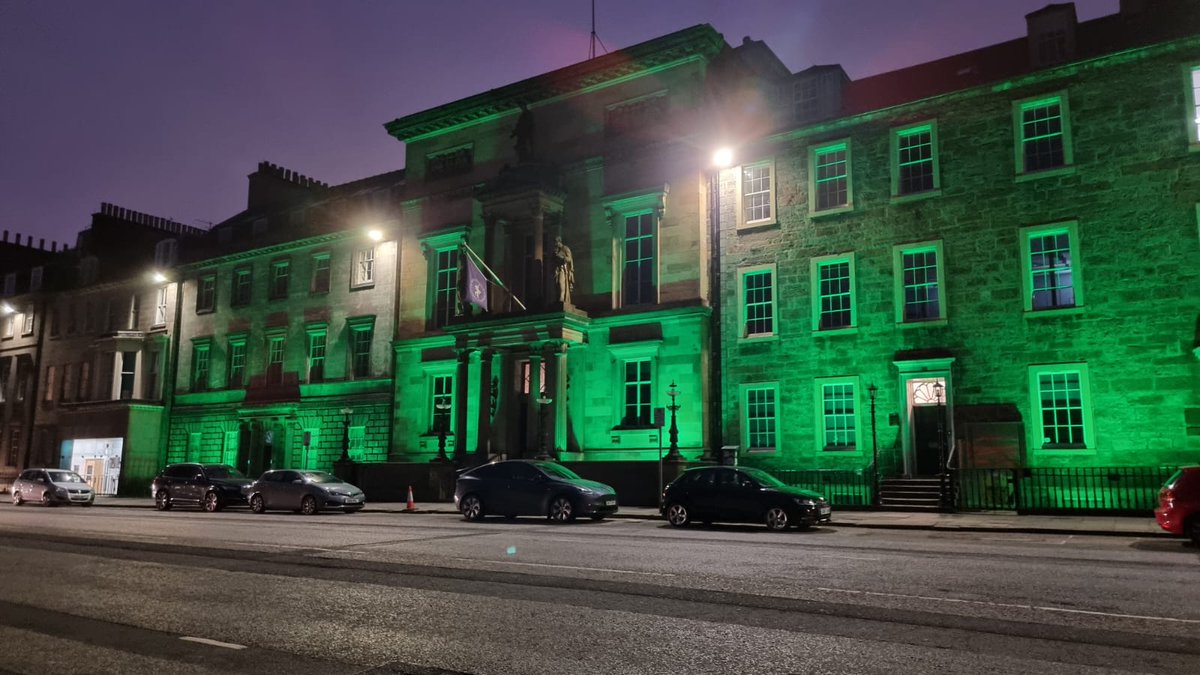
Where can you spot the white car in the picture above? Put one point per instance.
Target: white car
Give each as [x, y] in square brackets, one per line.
[51, 487]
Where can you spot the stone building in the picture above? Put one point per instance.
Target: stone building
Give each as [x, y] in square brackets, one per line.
[286, 319]
[569, 213]
[996, 252]
[108, 329]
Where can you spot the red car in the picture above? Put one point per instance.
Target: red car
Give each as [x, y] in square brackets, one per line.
[1178, 509]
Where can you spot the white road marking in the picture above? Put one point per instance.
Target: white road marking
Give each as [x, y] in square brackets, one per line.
[213, 643]
[1009, 605]
[565, 567]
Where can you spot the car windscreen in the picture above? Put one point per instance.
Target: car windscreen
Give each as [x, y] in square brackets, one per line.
[65, 477]
[762, 477]
[558, 471]
[1173, 479]
[222, 472]
[320, 477]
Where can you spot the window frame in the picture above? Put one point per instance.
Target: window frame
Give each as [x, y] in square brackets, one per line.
[27, 321]
[894, 154]
[160, 308]
[899, 296]
[272, 339]
[197, 381]
[312, 331]
[625, 384]
[743, 307]
[819, 148]
[1018, 109]
[819, 385]
[1191, 70]
[773, 193]
[744, 391]
[356, 326]
[619, 209]
[815, 265]
[1037, 432]
[277, 289]
[317, 259]
[436, 291]
[1071, 228]
[359, 279]
[235, 298]
[433, 375]
[234, 343]
[206, 305]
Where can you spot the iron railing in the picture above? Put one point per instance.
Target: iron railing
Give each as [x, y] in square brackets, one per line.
[841, 488]
[1050, 490]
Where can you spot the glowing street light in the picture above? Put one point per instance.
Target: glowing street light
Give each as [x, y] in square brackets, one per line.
[158, 277]
[6, 308]
[723, 158]
[375, 235]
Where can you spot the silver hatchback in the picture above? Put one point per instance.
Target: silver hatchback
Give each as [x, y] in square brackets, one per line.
[51, 487]
[305, 491]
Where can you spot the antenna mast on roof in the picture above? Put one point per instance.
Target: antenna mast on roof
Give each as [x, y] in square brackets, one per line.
[595, 38]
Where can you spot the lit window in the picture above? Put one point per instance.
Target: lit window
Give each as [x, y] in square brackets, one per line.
[837, 415]
[637, 276]
[364, 267]
[200, 367]
[441, 403]
[27, 321]
[1043, 134]
[833, 293]
[206, 293]
[281, 271]
[445, 287]
[1193, 92]
[637, 386]
[758, 302]
[237, 362]
[760, 416]
[919, 294]
[160, 308]
[243, 281]
[829, 177]
[914, 160]
[1062, 415]
[320, 278]
[316, 354]
[128, 375]
[1050, 262]
[50, 373]
[757, 194]
[275, 352]
[362, 331]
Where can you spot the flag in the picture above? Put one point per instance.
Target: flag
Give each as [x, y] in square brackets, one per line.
[477, 285]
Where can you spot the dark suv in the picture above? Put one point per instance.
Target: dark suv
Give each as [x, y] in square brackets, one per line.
[210, 486]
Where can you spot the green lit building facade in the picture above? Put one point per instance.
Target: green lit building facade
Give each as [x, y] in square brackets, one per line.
[997, 253]
[286, 316]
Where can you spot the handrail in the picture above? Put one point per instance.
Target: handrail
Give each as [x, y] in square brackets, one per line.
[950, 455]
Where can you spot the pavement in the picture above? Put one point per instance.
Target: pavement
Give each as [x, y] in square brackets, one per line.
[987, 521]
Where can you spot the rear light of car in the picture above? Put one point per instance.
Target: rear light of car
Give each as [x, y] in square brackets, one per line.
[1166, 497]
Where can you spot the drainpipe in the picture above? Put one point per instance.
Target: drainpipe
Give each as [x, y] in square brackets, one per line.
[715, 426]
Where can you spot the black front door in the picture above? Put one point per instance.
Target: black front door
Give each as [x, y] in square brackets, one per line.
[927, 420]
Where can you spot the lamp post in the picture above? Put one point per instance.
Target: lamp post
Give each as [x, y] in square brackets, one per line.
[872, 391]
[346, 434]
[544, 402]
[673, 433]
[443, 417]
[722, 159]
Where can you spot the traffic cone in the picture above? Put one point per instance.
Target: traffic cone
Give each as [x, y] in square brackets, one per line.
[411, 506]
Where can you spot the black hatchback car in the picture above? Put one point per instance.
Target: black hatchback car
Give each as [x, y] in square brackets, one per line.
[741, 495]
[531, 488]
[209, 486]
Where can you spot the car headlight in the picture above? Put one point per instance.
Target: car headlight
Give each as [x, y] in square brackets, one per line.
[805, 502]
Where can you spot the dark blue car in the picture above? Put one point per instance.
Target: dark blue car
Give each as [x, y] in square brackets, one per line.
[531, 488]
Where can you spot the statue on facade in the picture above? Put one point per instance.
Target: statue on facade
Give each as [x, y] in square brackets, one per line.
[564, 271]
[523, 133]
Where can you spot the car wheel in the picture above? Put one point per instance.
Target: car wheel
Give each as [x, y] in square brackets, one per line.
[16, 498]
[471, 507]
[162, 500]
[308, 505]
[257, 504]
[677, 515]
[776, 518]
[212, 502]
[561, 510]
[47, 500]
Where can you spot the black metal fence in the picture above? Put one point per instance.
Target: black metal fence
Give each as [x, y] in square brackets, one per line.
[841, 488]
[1051, 490]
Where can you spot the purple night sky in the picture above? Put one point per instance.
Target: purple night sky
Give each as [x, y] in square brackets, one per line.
[166, 106]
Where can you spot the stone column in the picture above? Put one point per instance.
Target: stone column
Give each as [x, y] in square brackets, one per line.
[114, 384]
[533, 428]
[460, 405]
[556, 384]
[483, 446]
[138, 374]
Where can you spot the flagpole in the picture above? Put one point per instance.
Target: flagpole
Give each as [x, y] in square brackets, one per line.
[495, 279]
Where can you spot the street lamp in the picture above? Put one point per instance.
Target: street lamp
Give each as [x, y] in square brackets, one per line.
[158, 277]
[673, 433]
[722, 158]
[375, 234]
[346, 434]
[544, 402]
[872, 391]
[443, 416]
